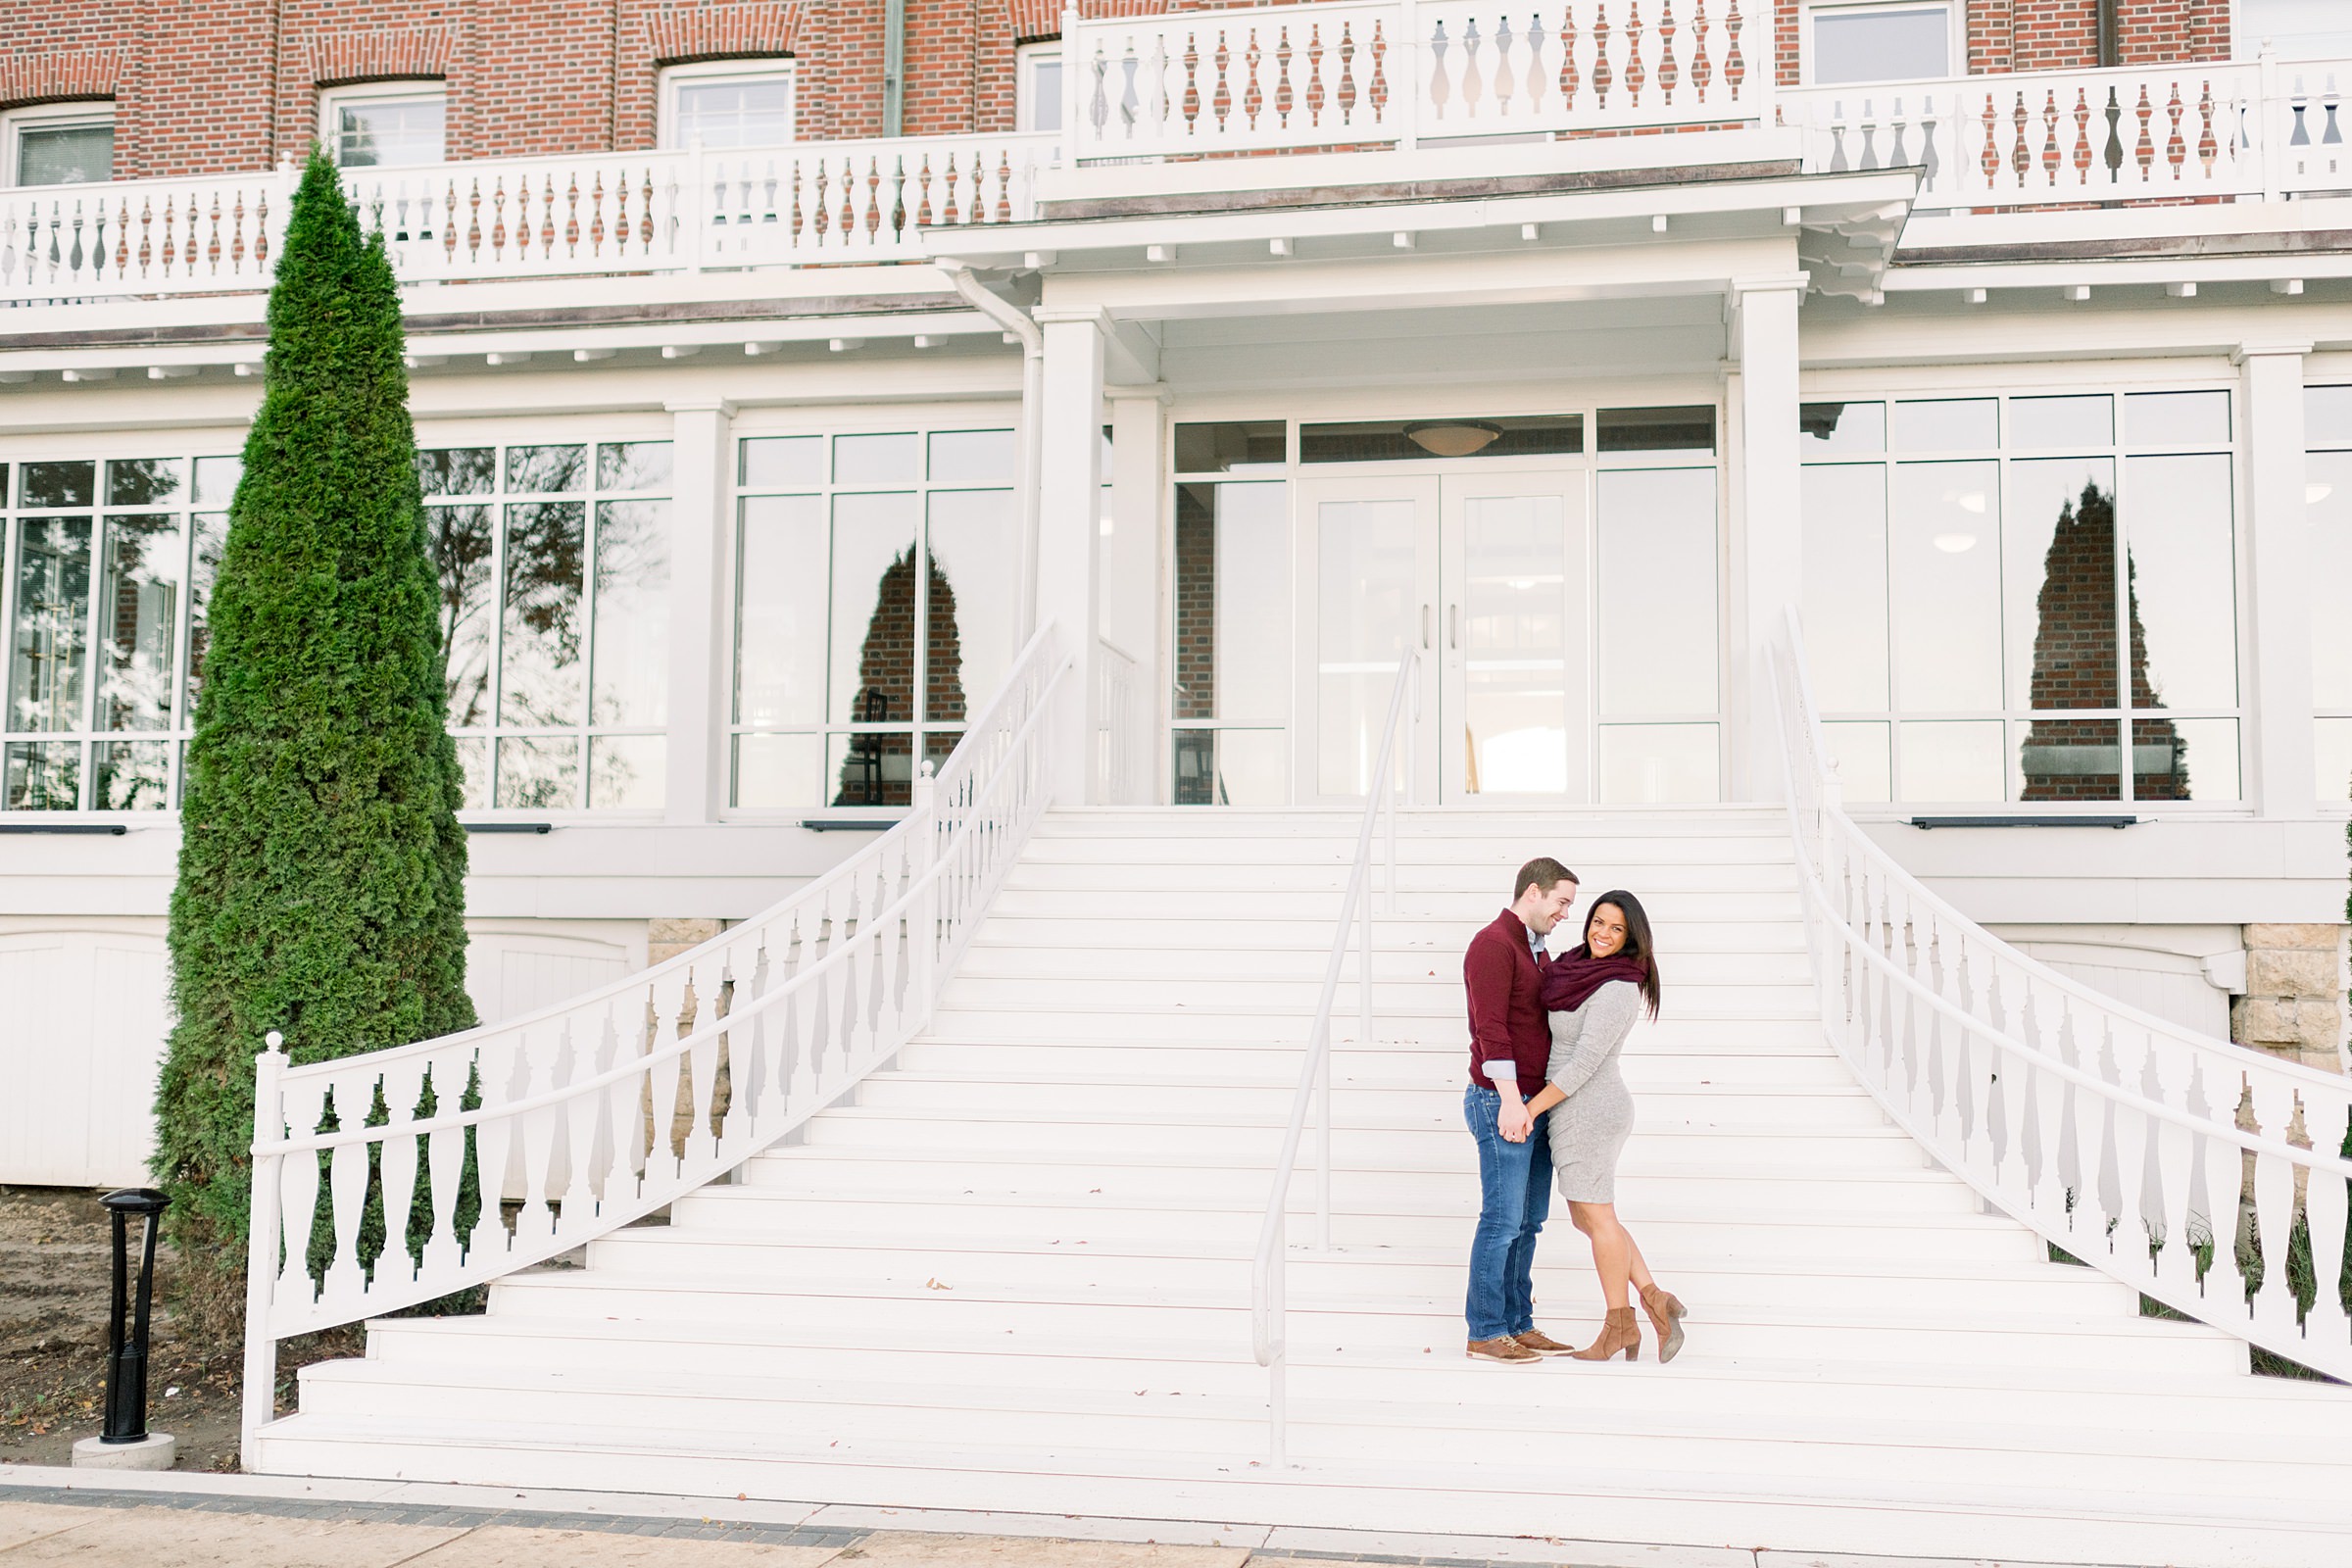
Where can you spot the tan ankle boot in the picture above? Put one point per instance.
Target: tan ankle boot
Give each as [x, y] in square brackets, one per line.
[1619, 1332]
[1666, 1315]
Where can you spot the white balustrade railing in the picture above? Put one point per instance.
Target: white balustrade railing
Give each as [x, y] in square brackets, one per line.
[2203, 129]
[1118, 725]
[2207, 1176]
[593, 1113]
[1354, 72]
[811, 203]
[1270, 1271]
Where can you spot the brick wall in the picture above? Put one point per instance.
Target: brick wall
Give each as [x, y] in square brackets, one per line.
[205, 85]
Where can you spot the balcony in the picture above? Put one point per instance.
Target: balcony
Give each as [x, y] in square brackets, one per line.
[1382, 92]
[2209, 131]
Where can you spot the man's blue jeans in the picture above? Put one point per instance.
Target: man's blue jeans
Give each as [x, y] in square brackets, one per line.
[1514, 1182]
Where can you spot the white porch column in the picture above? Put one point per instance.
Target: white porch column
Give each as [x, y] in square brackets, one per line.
[1767, 553]
[701, 430]
[2276, 688]
[1131, 555]
[1069, 531]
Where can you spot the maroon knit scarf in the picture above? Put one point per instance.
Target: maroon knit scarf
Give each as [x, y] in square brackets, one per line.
[1570, 979]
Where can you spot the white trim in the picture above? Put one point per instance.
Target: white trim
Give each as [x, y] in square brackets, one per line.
[47, 117]
[408, 89]
[775, 67]
[1028, 97]
[1956, 22]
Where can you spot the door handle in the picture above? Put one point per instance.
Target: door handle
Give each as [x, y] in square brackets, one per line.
[1453, 628]
[1425, 628]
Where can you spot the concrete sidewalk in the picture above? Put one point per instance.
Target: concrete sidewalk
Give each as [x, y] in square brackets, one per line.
[168, 1520]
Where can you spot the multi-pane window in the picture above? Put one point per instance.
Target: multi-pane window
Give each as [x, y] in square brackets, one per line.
[388, 125]
[1880, 40]
[2328, 494]
[2006, 598]
[107, 566]
[876, 578]
[1230, 701]
[59, 144]
[554, 562]
[730, 103]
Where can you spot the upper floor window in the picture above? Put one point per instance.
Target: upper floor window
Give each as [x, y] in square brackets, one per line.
[384, 125]
[2308, 30]
[59, 144]
[1880, 41]
[727, 103]
[1037, 89]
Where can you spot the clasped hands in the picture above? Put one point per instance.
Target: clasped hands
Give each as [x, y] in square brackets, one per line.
[1514, 1121]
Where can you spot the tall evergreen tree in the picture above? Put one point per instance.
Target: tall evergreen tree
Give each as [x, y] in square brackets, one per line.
[322, 869]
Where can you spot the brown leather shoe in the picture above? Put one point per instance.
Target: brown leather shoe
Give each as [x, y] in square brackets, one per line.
[1505, 1348]
[1618, 1332]
[1541, 1344]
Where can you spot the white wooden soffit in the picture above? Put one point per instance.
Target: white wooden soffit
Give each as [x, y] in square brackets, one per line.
[1715, 208]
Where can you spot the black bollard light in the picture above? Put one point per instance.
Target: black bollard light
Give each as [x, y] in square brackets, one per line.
[127, 1340]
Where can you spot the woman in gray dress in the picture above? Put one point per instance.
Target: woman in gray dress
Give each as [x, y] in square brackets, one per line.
[1593, 994]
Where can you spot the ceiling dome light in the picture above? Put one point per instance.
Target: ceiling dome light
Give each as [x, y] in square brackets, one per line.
[1453, 438]
[1955, 544]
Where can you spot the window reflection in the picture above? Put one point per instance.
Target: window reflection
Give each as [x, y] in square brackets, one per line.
[458, 539]
[1231, 653]
[1845, 598]
[1946, 533]
[138, 608]
[541, 631]
[1657, 592]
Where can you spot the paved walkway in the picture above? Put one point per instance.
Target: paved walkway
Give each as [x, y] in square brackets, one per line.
[171, 1520]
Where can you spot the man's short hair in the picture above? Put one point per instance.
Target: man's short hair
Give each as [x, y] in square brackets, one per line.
[1542, 872]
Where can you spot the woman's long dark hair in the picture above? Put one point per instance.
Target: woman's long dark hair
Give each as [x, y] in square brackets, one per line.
[1637, 942]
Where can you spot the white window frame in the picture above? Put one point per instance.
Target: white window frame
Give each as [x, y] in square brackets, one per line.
[1955, 20]
[331, 99]
[1025, 95]
[46, 117]
[704, 71]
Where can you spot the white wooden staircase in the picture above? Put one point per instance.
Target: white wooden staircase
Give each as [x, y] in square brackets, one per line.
[1013, 1272]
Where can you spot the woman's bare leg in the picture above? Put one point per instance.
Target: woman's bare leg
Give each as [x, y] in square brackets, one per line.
[1637, 1269]
[1613, 1250]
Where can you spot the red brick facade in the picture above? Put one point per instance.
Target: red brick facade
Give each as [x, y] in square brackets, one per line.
[205, 85]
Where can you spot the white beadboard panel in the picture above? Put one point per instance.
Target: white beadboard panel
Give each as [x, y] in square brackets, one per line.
[510, 971]
[81, 1040]
[2170, 985]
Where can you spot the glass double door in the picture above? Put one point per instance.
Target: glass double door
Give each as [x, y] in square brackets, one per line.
[1486, 575]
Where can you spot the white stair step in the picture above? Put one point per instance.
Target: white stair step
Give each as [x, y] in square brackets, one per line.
[1147, 926]
[1561, 1430]
[755, 1210]
[1415, 882]
[1697, 1380]
[1211, 966]
[1043, 1020]
[1465, 911]
[1430, 1063]
[1620, 863]
[1611, 1503]
[1708, 1108]
[1733, 1192]
[1392, 1000]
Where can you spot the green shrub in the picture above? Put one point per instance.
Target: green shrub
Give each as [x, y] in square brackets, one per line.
[322, 869]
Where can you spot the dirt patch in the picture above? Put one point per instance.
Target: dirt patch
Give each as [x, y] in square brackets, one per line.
[56, 1262]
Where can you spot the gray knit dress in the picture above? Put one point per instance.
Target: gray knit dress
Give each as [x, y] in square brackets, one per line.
[1589, 1128]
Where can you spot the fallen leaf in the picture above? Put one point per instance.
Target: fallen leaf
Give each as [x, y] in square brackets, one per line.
[936, 1286]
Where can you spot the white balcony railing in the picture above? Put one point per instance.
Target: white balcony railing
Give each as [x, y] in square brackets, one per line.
[1354, 72]
[2205, 1175]
[2181, 131]
[601, 1108]
[806, 204]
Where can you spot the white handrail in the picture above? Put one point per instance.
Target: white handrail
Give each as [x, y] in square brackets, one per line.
[2202, 1174]
[598, 1110]
[1268, 1275]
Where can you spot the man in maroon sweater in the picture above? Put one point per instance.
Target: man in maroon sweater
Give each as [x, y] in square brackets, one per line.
[1510, 1049]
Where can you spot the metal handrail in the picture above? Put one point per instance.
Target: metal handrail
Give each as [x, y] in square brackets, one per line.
[2116, 1135]
[1269, 1301]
